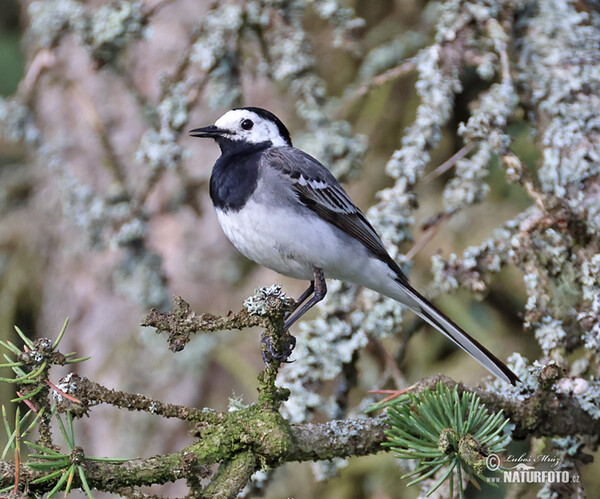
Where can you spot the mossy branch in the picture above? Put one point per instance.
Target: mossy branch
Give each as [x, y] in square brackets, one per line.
[248, 438]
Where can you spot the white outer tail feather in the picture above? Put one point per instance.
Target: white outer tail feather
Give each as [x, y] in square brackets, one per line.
[442, 323]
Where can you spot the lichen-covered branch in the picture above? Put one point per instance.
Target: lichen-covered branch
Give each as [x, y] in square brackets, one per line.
[106, 199]
[183, 322]
[91, 394]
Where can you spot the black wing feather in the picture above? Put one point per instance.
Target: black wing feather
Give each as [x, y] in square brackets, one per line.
[319, 191]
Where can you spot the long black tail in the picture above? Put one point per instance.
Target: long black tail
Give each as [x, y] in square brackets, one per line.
[444, 325]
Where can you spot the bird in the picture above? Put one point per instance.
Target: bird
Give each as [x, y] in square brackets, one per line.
[283, 209]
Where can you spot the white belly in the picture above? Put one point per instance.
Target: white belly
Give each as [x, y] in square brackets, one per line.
[294, 246]
[291, 245]
[261, 237]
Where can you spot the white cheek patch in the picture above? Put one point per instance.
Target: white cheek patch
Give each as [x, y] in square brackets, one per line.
[262, 131]
[272, 134]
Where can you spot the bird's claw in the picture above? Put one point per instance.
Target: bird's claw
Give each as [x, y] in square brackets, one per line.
[270, 353]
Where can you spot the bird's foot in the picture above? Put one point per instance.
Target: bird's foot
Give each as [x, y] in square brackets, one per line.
[277, 351]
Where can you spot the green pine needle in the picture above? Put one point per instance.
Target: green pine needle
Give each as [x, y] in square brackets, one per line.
[76, 361]
[12, 435]
[44, 450]
[84, 482]
[446, 432]
[29, 395]
[68, 435]
[12, 364]
[50, 465]
[70, 479]
[24, 337]
[12, 348]
[56, 489]
[61, 334]
[34, 374]
[46, 478]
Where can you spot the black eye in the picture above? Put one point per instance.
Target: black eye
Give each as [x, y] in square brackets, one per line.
[247, 124]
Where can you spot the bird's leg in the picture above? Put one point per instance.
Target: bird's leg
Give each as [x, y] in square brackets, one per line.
[303, 297]
[319, 288]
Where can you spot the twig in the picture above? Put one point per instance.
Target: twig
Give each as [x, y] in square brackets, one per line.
[91, 393]
[391, 363]
[450, 162]
[389, 75]
[232, 476]
[183, 322]
[42, 60]
[57, 390]
[431, 230]
[153, 6]
[95, 120]
[517, 172]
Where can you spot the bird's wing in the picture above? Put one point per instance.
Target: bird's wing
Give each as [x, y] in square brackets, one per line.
[318, 190]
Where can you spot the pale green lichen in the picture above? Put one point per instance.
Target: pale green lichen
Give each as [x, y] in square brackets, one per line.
[468, 186]
[558, 63]
[486, 125]
[335, 145]
[325, 470]
[392, 216]
[342, 17]
[219, 31]
[172, 110]
[437, 84]
[131, 232]
[590, 281]
[444, 281]
[51, 19]
[236, 403]
[291, 62]
[567, 449]
[586, 392]
[436, 88]
[390, 54]
[224, 89]
[140, 278]
[527, 373]
[260, 303]
[216, 51]
[84, 207]
[550, 334]
[113, 27]
[325, 346]
[16, 122]
[106, 32]
[474, 268]
[158, 148]
[589, 400]
[384, 317]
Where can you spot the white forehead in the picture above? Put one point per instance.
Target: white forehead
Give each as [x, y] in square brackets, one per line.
[262, 131]
[231, 119]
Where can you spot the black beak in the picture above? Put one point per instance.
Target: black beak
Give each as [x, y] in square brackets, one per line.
[207, 132]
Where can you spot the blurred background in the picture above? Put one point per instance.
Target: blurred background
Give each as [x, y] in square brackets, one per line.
[105, 211]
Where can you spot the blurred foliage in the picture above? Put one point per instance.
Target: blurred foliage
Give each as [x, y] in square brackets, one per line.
[107, 216]
[11, 57]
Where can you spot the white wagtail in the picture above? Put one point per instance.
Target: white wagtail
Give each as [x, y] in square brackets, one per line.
[283, 209]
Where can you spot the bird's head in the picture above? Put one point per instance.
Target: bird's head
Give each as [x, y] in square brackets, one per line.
[246, 126]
